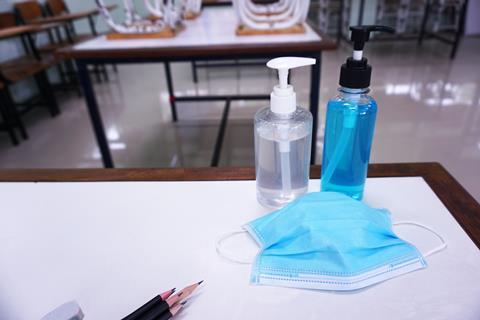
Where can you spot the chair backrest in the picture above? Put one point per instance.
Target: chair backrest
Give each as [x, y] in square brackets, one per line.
[7, 20]
[29, 10]
[56, 7]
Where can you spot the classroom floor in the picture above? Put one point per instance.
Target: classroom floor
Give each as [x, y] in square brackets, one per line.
[429, 110]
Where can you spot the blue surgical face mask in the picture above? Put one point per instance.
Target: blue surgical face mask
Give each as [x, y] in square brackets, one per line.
[329, 241]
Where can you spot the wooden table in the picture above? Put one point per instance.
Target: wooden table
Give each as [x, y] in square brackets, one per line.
[103, 244]
[209, 37]
[457, 200]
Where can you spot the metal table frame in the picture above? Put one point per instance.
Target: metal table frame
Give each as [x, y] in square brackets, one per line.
[96, 118]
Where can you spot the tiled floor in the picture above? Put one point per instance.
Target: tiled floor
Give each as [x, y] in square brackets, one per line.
[429, 110]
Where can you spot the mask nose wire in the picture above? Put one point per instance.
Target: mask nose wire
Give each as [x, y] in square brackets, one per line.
[439, 248]
[221, 251]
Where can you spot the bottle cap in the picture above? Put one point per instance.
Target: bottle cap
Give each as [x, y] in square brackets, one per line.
[283, 98]
[356, 72]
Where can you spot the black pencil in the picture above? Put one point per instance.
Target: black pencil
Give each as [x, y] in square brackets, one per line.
[172, 312]
[135, 315]
[161, 308]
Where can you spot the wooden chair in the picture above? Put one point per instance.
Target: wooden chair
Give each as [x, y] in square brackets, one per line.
[57, 8]
[29, 11]
[30, 65]
[7, 20]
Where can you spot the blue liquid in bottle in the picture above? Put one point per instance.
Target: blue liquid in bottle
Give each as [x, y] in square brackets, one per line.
[350, 124]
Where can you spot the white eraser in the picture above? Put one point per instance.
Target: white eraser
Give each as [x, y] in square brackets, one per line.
[67, 311]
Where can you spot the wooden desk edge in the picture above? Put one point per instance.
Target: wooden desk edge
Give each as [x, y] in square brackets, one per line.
[458, 201]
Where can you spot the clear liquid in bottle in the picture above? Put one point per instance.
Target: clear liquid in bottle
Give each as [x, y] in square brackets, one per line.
[282, 156]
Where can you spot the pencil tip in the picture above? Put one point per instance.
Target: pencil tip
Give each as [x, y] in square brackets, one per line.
[183, 302]
[174, 289]
[200, 282]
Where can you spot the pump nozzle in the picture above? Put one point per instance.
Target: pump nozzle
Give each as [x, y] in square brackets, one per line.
[361, 34]
[283, 98]
[284, 64]
[356, 72]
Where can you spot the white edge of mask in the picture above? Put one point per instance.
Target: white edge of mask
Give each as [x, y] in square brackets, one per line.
[322, 282]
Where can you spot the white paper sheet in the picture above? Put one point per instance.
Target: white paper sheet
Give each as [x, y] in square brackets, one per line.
[113, 246]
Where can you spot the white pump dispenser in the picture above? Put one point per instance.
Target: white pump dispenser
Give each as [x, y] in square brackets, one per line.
[283, 99]
[283, 135]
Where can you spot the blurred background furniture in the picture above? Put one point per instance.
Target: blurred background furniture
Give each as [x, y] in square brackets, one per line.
[58, 11]
[404, 15]
[28, 12]
[444, 20]
[29, 65]
[61, 32]
[209, 37]
[331, 17]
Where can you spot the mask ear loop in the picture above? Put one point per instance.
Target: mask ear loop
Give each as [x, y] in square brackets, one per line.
[437, 249]
[227, 254]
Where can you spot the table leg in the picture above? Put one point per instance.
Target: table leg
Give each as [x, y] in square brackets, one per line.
[47, 93]
[94, 113]
[194, 71]
[93, 28]
[171, 93]
[8, 124]
[314, 101]
[424, 23]
[9, 104]
[221, 135]
[340, 22]
[360, 12]
[460, 30]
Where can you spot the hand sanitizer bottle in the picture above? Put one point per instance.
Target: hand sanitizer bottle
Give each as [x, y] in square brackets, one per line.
[350, 122]
[283, 137]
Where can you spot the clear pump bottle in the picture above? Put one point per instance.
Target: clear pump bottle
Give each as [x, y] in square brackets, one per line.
[283, 135]
[350, 123]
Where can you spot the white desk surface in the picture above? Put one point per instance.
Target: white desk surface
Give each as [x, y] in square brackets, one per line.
[215, 26]
[113, 246]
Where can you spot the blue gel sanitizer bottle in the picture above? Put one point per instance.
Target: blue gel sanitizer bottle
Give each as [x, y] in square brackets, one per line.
[350, 122]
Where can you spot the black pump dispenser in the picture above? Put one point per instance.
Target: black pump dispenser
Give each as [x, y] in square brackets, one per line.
[356, 72]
